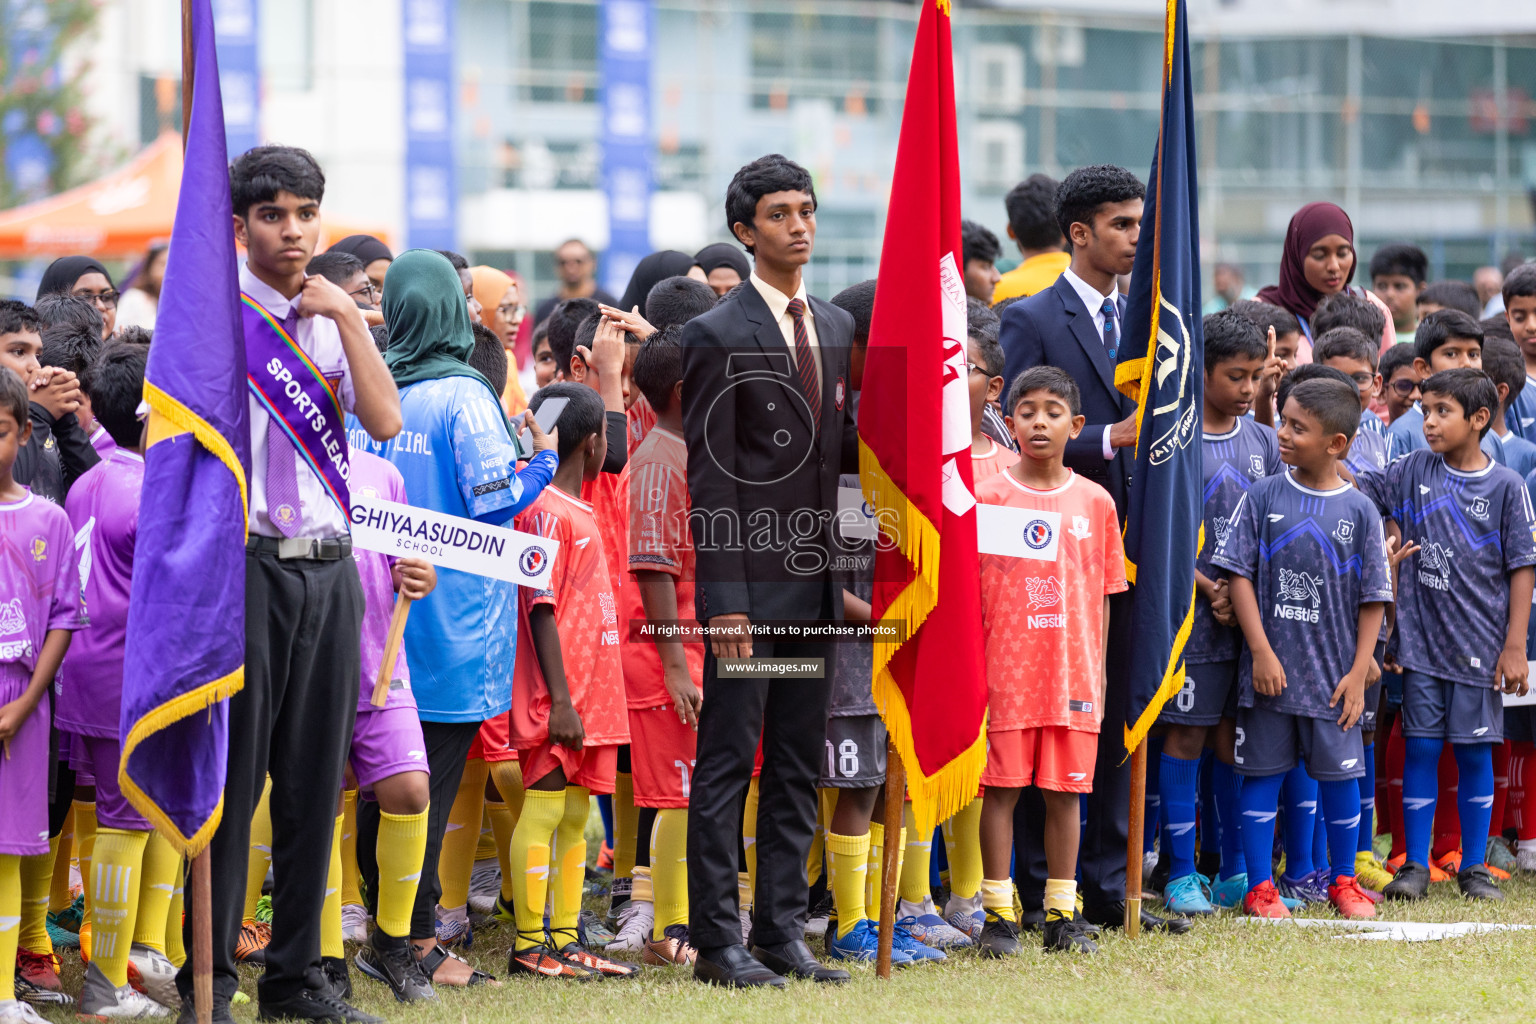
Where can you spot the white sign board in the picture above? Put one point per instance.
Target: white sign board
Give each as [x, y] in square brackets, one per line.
[1018, 532]
[406, 531]
[855, 519]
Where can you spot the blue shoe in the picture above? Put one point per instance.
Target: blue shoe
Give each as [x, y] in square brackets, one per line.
[1228, 893]
[1185, 896]
[927, 927]
[1307, 889]
[863, 943]
[902, 940]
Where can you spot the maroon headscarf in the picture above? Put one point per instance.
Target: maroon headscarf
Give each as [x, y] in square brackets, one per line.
[1311, 222]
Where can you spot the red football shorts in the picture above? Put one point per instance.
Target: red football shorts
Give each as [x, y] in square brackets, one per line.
[492, 742]
[662, 753]
[1052, 757]
[590, 767]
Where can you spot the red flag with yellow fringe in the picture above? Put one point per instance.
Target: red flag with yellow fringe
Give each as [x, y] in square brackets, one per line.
[914, 454]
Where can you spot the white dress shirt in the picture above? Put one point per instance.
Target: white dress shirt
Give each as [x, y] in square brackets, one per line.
[320, 339]
[778, 305]
[1093, 300]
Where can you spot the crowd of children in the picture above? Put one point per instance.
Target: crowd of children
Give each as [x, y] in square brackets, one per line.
[1365, 570]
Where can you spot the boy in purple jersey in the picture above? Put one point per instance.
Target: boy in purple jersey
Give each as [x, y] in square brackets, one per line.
[40, 605]
[1352, 352]
[1237, 452]
[389, 762]
[1309, 583]
[1463, 607]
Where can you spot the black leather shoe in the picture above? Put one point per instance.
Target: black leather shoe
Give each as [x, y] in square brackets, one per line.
[1112, 915]
[734, 967]
[313, 1004]
[794, 959]
[188, 1013]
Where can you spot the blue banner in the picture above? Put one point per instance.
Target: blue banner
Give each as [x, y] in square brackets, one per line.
[234, 27]
[624, 54]
[431, 192]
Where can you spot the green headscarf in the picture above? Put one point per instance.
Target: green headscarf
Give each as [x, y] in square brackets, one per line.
[428, 320]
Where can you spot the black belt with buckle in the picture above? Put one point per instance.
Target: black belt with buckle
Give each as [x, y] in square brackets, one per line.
[320, 549]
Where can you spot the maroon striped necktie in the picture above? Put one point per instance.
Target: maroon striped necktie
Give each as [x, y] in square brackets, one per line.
[805, 360]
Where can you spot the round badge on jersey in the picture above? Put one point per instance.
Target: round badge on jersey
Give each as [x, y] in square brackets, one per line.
[532, 561]
[840, 392]
[1037, 534]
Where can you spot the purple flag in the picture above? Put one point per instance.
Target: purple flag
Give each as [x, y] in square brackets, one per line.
[186, 619]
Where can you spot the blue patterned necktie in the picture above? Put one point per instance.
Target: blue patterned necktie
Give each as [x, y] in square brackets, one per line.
[1111, 327]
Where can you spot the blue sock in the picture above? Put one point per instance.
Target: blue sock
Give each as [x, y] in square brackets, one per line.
[1152, 809]
[605, 811]
[1260, 795]
[1474, 799]
[1421, 784]
[1227, 786]
[1300, 795]
[1207, 831]
[1176, 777]
[1320, 858]
[1339, 800]
[1367, 802]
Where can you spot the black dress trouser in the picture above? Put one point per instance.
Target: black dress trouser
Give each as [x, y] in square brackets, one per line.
[293, 719]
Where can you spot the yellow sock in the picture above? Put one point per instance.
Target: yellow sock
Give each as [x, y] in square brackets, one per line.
[749, 834]
[351, 875]
[85, 844]
[175, 950]
[157, 882]
[917, 853]
[529, 857]
[486, 847]
[744, 890]
[962, 844]
[502, 824]
[457, 858]
[10, 919]
[645, 890]
[330, 909]
[114, 889]
[873, 872]
[998, 898]
[59, 895]
[848, 867]
[570, 868]
[36, 879]
[826, 803]
[508, 776]
[669, 868]
[626, 825]
[261, 851]
[1060, 895]
[402, 845]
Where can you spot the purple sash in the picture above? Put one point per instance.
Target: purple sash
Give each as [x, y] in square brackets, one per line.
[299, 399]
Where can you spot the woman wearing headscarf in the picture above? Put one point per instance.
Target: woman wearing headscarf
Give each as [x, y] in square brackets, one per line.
[724, 266]
[503, 312]
[1319, 260]
[375, 255]
[650, 271]
[457, 457]
[84, 278]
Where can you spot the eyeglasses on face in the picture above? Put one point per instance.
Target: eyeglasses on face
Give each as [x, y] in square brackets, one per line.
[1404, 387]
[104, 300]
[369, 291]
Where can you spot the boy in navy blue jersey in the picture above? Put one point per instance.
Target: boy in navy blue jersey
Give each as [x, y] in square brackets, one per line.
[1463, 608]
[1447, 339]
[1505, 366]
[1237, 452]
[1309, 577]
[1520, 315]
[1353, 353]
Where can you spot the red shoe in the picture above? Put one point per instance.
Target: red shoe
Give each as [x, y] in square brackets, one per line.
[605, 858]
[600, 965]
[40, 969]
[1263, 900]
[1393, 863]
[1446, 867]
[1350, 900]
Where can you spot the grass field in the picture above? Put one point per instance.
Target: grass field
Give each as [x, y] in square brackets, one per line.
[1223, 970]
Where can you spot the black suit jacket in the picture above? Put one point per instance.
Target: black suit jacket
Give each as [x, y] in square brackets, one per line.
[1054, 328]
[762, 478]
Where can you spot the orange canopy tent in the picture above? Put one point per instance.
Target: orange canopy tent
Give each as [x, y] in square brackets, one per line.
[119, 215]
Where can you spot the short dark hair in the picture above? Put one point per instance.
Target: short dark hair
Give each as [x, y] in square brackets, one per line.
[763, 176]
[69, 347]
[1472, 390]
[540, 333]
[1504, 363]
[562, 324]
[981, 322]
[1335, 403]
[259, 174]
[20, 318]
[1458, 295]
[1045, 378]
[1520, 282]
[13, 395]
[998, 307]
[1393, 359]
[586, 334]
[580, 419]
[1268, 315]
[1031, 206]
[1310, 371]
[978, 243]
[1402, 258]
[1344, 309]
[676, 300]
[1229, 336]
[380, 334]
[489, 357]
[1496, 326]
[659, 366]
[115, 382]
[858, 301]
[1086, 189]
[459, 262]
[66, 309]
[133, 334]
[335, 266]
[1345, 343]
[1441, 326]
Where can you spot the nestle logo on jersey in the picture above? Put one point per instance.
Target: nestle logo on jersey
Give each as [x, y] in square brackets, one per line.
[1295, 614]
[1046, 621]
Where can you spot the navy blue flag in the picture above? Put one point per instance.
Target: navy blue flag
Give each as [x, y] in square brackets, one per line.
[1162, 367]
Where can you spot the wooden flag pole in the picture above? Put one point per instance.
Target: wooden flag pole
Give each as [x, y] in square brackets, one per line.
[1134, 839]
[890, 859]
[391, 650]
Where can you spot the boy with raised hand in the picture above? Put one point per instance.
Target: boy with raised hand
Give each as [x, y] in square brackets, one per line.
[1463, 608]
[567, 719]
[1447, 339]
[1520, 314]
[1237, 452]
[1309, 582]
[1046, 619]
[1505, 366]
